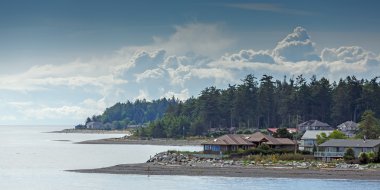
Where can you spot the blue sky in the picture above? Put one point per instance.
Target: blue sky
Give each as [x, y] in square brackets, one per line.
[61, 61]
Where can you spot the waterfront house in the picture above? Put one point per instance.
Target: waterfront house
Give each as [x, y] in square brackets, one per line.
[309, 139]
[349, 128]
[234, 142]
[272, 131]
[94, 125]
[313, 125]
[335, 148]
[230, 142]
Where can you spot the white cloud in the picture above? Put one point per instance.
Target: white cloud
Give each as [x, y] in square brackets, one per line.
[193, 58]
[200, 39]
[295, 47]
[143, 94]
[182, 95]
[351, 54]
[150, 74]
[262, 56]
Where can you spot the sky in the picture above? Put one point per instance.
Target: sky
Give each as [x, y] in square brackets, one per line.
[62, 61]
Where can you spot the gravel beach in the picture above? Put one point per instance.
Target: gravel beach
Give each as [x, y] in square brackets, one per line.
[236, 171]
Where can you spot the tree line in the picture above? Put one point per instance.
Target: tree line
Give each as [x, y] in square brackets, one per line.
[122, 115]
[265, 102]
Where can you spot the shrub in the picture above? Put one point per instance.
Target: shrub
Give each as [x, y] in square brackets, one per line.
[363, 158]
[378, 156]
[263, 146]
[289, 157]
[371, 156]
[349, 155]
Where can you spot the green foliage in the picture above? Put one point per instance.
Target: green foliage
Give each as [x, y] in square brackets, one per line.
[120, 115]
[263, 146]
[371, 156]
[349, 155]
[254, 103]
[283, 133]
[369, 126]
[378, 156]
[363, 158]
[321, 138]
[334, 135]
[80, 126]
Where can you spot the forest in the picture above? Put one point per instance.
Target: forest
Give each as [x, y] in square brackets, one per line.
[253, 104]
[122, 115]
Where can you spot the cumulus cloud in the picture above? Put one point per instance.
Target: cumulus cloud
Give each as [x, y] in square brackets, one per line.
[262, 56]
[197, 38]
[295, 47]
[180, 65]
[351, 54]
[182, 95]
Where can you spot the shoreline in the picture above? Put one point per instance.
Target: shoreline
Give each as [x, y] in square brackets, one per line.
[235, 171]
[87, 131]
[162, 142]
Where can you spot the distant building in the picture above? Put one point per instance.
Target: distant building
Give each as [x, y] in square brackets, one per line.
[272, 131]
[309, 139]
[135, 126]
[336, 148]
[349, 128]
[313, 125]
[94, 125]
[233, 142]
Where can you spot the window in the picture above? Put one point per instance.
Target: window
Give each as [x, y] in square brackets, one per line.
[215, 148]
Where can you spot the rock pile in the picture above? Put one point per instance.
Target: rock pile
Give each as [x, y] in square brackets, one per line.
[176, 159]
[172, 158]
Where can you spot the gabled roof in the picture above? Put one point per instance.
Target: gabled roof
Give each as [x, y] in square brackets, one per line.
[313, 123]
[290, 130]
[312, 134]
[249, 140]
[260, 137]
[230, 140]
[370, 143]
[348, 126]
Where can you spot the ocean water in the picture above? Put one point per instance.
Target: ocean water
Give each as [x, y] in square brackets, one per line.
[31, 159]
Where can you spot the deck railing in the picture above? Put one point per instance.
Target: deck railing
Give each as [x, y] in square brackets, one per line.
[328, 154]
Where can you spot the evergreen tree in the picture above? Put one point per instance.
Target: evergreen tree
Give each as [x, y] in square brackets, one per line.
[369, 126]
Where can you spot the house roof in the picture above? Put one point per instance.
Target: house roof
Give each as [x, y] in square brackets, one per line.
[249, 140]
[313, 123]
[312, 134]
[351, 143]
[348, 126]
[290, 130]
[230, 140]
[259, 137]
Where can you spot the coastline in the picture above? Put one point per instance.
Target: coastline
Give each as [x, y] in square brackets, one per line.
[235, 171]
[87, 131]
[163, 142]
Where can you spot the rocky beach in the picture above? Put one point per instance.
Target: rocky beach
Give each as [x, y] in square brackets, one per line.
[171, 163]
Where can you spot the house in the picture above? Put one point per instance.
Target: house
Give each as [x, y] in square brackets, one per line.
[94, 125]
[234, 142]
[313, 125]
[309, 139]
[336, 148]
[349, 128]
[272, 131]
[230, 142]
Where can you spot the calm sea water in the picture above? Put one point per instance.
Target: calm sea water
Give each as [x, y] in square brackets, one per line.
[31, 159]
